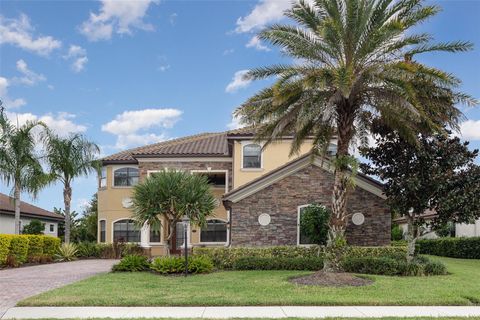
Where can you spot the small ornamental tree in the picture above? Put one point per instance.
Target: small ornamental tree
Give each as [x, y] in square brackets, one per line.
[34, 227]
[438, 174]
[314, 223]
[171, 195]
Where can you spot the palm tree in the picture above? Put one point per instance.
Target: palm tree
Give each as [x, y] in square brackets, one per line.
[69, 158]
[353, 65]
[19, 162]
[170, 195]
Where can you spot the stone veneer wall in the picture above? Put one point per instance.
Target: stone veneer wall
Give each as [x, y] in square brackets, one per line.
[144, 167]
[281, 199]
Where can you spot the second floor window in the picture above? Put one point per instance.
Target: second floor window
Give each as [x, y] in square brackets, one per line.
[103, 177]
[252, 156]
[125, 177]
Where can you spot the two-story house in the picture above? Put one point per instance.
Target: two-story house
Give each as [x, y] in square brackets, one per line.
[261, 192]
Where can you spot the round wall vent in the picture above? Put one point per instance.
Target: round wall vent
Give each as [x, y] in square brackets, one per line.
[358, 218]
[264, 219]
[126, 202]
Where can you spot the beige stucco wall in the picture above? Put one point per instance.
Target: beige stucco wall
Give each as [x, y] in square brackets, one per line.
[273, 156]
[7, 225]
[111, 209]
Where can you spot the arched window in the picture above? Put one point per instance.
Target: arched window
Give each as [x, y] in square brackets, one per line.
[126, 231]
[125, 177]
[214, 231]
[252, 156]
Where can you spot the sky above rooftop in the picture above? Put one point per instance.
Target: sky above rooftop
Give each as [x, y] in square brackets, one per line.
[131, 73]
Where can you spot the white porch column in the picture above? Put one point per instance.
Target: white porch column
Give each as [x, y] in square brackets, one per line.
[145, 236]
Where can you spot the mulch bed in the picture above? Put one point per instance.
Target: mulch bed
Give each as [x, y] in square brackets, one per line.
[328, 279]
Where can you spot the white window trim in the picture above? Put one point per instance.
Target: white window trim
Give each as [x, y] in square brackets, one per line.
[299, 208]
[245, 143]
[113, 229]
[117, 167]
[214, 171]
[215, 243]
[100, 231]
[100, 178]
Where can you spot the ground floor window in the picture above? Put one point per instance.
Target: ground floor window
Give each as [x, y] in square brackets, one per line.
[214, 231]
[302, 237]
[126, 231]
[154, 235]
[102, 230]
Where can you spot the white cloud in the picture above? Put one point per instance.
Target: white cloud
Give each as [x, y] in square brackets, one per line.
[256, 43]
[239, 81]
[78, 56]
[19, 33]
[228, 51]
[235, 123]
[29, 78]
[265, 12]
[173, 18]
[470, 130]
[130, 126]
[116, 16]
[9, 103]
[61, 122]
[164, 67]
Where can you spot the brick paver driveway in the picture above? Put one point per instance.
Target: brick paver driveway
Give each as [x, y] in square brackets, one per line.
[18, 284]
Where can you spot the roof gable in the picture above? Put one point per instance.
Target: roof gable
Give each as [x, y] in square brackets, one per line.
[294, 166]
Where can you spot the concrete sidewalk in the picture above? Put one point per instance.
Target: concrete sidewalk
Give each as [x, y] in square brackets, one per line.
[238, 312]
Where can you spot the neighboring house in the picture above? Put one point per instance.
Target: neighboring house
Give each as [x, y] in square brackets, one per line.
[263, 192]
[461, 229]
[28, 213]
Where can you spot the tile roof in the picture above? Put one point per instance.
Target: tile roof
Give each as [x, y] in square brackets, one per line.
[204, 144]
[7, 206]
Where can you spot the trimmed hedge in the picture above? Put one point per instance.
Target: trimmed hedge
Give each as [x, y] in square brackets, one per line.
[225, 258]
[18, 249]
[394, 267]
[464, 248]
[4, 247]
[257, 263]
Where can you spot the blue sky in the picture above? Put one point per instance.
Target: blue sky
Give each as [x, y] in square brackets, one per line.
[129, 73]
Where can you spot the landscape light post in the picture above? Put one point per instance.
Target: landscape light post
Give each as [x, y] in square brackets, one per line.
[186, 222]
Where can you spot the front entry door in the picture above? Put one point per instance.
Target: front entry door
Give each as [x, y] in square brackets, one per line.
[178, 239]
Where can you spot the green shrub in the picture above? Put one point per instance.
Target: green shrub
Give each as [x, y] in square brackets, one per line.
[4, 247]
[435, 268]
[66, 252]
[169, 265]
[397, 232]
[463, 248]
[257, 263]
[200, 265]
[34, 227]
[371, 265]
[132, 263]
[50, 245]
[35, 245]
[19, 249]
[314, 223]
[399, 243]
[89, 250]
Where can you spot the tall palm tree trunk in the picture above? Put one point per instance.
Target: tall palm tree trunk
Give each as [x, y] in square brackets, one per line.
[67, 199]
[16, 196]
[338, 220]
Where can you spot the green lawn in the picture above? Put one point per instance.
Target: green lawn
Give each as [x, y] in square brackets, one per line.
[461, 287]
